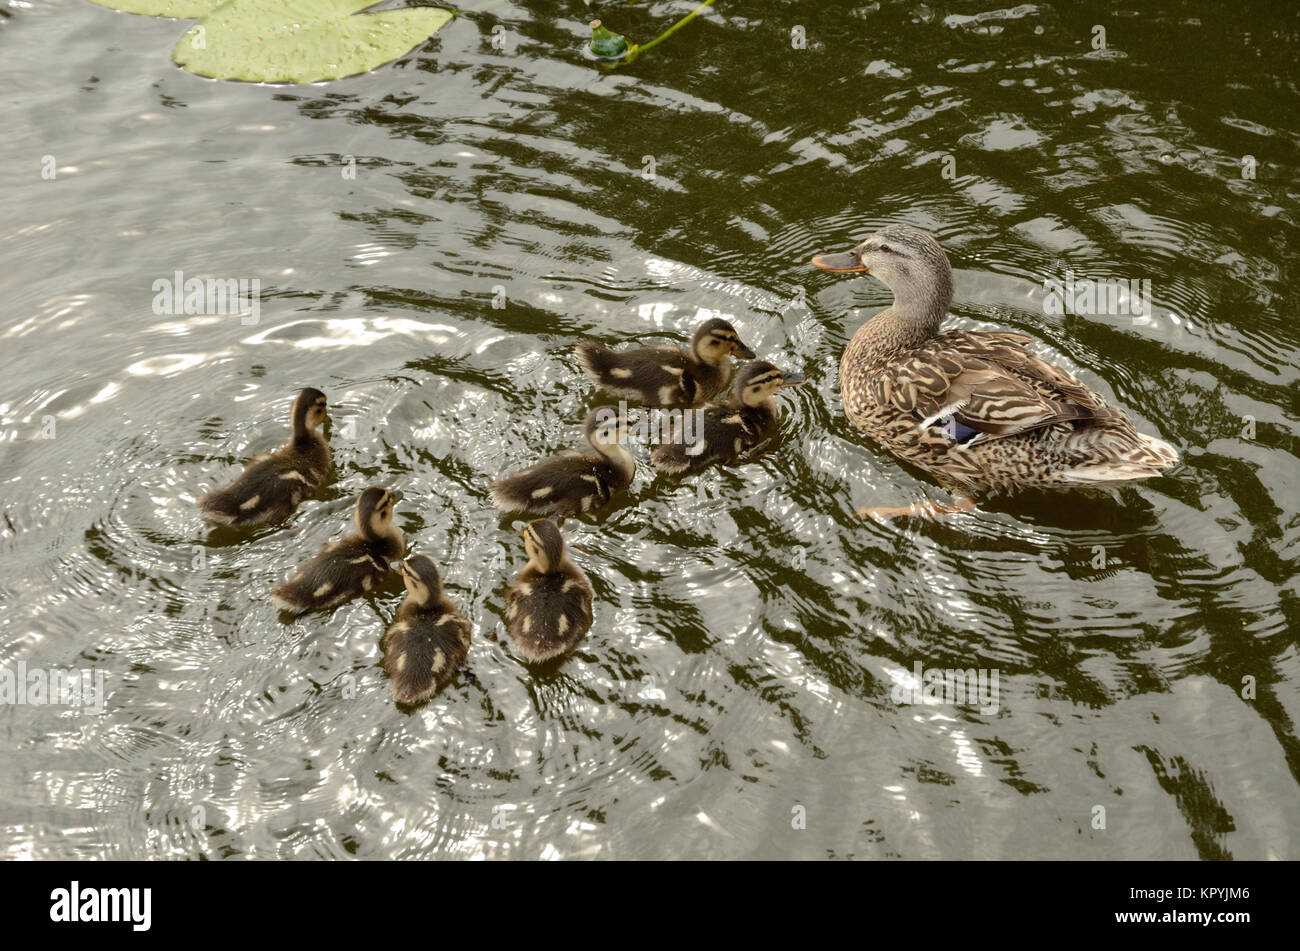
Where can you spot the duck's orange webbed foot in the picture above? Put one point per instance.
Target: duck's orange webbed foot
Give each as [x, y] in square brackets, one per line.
[925, 510]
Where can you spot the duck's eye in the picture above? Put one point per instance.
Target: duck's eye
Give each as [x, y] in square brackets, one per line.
[884, 249]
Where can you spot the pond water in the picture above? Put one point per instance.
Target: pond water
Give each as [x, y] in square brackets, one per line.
[735, 697]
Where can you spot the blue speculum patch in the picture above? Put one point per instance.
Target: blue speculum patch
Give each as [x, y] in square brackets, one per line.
[956, 430]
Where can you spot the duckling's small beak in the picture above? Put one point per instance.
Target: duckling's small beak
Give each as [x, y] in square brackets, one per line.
[743, 351]
[849, 261]
[793, 379]
[396, 495]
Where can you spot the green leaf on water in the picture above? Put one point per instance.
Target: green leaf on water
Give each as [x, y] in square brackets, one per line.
[177, 9]
[606, 42]
[302, 41]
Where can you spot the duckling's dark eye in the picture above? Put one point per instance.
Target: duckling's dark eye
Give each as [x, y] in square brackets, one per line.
[884, 248]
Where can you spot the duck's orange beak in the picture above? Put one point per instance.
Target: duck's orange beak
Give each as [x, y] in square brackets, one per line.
[849, 261]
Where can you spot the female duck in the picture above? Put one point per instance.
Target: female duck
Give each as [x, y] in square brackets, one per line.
[349, 567]
[730, 428]
[272, 485]
[573, 482]
[549, 608]
[667, 376]
[973, 408]
[428, 639]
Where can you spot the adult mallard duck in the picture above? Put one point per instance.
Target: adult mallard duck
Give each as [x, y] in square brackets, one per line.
[548, 610]
[973, 408]
[668, 376]
[272, 485]
[351, 566]
[725, 430]
[573, 482]
[428, 639]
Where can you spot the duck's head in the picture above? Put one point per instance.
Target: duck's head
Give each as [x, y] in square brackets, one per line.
[606, 427]
[716, 340]
[423, 582]
[309, 411]
[374, 515]
[758, 382]
[906, 260]
[544, 544]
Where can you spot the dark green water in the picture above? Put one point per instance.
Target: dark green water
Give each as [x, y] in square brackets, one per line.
[748, 628]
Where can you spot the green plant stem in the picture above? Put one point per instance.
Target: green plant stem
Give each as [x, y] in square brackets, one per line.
[634, 50]
[675, 27]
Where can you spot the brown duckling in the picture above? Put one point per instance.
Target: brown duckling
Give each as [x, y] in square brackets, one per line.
[573, 482]
[668, 376]
[351, 566]
[549, 608]
[428, 639]
[272, 484]
[728, 428]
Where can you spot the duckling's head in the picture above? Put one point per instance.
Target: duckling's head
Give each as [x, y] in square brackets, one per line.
[374, 515]
[907, 261]
[309, 411]
[716, 340]
[606, 427]
[423, 583]
[544, 544]
[758, 382]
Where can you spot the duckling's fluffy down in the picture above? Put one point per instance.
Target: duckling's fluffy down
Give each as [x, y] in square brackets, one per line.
[422, 652]
[547, 614]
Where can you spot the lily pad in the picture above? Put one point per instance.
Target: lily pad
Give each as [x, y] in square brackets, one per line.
[302, 41]
[177, 9]
[606, 43]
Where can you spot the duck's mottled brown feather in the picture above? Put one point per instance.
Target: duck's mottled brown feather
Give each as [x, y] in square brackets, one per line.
[1035, 424]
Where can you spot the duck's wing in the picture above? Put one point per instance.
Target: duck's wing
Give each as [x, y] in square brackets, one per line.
[656, 375]
[980, 385]
[268, 490]
[571, 481]
[340, 571]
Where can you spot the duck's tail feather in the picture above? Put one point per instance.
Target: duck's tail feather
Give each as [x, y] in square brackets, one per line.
[519, 493]
[1145, 456]
[290, 598]
[228, 507]
[672, 457]
[223, 507]
[595, 359]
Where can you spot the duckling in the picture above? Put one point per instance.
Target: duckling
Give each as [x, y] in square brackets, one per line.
[549, 608]
[351, 566]
[428, 639]
[667, 376]
[573, 481]
[272, 484]
[728, 428]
